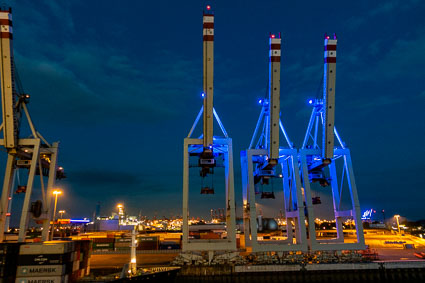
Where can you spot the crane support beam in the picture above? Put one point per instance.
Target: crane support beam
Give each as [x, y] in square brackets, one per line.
[8, 95]
[208, 75]
[274, 97]
[329, 97]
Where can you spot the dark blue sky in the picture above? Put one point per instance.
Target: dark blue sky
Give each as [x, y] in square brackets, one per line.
[118, 83]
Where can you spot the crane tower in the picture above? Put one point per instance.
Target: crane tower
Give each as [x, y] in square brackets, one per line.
[319, 160]
[32, 153]
[264, 161]
[208, 149]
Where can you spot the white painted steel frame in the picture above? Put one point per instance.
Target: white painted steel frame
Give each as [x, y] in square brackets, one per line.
[293, 203]
[338, 243]
[34, 150]
[221, 145]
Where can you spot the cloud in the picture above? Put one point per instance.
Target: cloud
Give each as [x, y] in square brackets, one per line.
[83, 80]
[385, 8]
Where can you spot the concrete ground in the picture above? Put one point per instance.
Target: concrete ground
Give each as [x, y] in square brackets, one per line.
[118, 260]
[382, 241]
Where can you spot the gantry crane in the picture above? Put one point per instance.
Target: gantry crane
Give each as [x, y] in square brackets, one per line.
[208, 150]
[33, 153]
[264, 161]
[318, 161]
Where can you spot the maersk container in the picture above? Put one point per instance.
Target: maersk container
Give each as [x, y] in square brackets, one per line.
[43, 270]
[44, 279]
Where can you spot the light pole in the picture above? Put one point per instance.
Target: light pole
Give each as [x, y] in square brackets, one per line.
[55, 193]
[61, 212]
[398, 223]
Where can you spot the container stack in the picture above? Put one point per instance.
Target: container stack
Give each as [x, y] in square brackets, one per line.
[147, 243]
[9, 253]
[82, 257]
[53, 261]
[122, 244]
[103, 244]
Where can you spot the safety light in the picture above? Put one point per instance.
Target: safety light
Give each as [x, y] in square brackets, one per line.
[208, 7]
[203, 94]
[273, 36]
[260, 101]
[310, 101]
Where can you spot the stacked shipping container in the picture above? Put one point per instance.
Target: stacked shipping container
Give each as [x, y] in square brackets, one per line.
[9, 253]
[53, 261]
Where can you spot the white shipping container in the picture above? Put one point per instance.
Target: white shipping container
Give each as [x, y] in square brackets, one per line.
[50, 279]
[43, 270]
[50, 248]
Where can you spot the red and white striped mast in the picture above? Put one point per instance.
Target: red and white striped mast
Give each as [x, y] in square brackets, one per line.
[274, 98]
[208, 79]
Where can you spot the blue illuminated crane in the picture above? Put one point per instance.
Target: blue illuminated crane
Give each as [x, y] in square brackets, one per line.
[320, 162]
[208, 149]
[264, 161]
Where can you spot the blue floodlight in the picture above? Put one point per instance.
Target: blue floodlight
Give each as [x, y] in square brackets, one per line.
[80, 220]
[310, 101]
[260, 101]
[203, 94]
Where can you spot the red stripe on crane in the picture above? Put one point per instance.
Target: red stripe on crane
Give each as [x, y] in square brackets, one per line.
[330, 47]
[275, 46]
[208, 25]
[275, 59]
[5, 22]
[6, 35]
[208, 37]
[330, 60]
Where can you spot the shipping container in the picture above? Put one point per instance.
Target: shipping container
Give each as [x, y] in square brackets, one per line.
[169, 246]
[44, 270]
[50, 279]
[9, 253]
[46, 248]
[97, 246]
[46, 259]
[103, 240]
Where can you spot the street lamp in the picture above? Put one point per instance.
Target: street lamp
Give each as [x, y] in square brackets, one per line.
[55, 193]
[61, 212]
[398, 223]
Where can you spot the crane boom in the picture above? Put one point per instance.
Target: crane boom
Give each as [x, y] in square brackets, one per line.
[274, 98]
[329, 98]
[8, 94]
[208, 77]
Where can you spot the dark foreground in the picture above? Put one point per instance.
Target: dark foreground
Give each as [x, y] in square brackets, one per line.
[370, 272]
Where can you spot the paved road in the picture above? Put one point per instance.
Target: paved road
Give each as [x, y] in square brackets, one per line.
[118, 260]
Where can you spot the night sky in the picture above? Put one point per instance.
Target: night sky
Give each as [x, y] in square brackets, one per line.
[119, 83]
